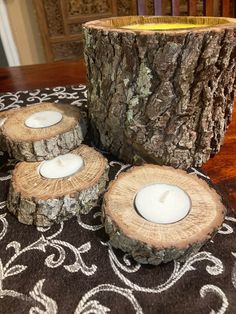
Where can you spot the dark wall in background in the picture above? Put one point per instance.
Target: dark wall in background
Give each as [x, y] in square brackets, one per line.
[3, 59]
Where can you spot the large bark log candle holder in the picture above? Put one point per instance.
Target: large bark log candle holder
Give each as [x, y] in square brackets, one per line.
[31, 141]
[173, 236]
[163, 96]
[34, 199]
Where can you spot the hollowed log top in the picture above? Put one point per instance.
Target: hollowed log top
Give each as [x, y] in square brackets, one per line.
[118, 23]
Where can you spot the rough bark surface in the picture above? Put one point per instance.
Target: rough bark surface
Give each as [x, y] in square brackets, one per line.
[3, 146]
[3, 117]
[27, 144]
[144, 253]
[46, 148]
[47, 212]
[153, 243]
[45, 203]
[163, 97]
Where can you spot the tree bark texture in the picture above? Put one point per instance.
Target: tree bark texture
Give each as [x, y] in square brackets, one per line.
[42, 202]
[144, 253]
[154, 243]
[3, 118]
[3, 146]
[161, 96]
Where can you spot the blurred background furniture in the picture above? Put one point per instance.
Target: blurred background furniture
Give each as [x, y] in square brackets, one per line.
[60, 21]
[187, 7]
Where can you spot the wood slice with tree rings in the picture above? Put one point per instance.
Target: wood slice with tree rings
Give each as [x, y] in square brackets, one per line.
[36, 144]
[161, 96]
[34, 199]
[154, 243]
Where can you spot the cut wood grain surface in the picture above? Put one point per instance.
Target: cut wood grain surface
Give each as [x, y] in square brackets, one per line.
[154, 243]
[33, 144]
[34, 199]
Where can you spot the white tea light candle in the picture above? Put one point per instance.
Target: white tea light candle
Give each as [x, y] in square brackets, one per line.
[43, 119]
[61, 166]
[162, 203]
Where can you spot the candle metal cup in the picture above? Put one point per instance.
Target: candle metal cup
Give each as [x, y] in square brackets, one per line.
[61, 166]
[162, 203]
[43, 119]
[162, 96]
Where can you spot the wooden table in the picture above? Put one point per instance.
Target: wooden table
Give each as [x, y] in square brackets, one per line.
[27, 77]
[221, 168]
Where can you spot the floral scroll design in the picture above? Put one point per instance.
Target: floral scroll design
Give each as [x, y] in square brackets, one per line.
[61, 93]
[11, 269]
[226, 228]
[234, 272]
[178, 271]
[77, 96]
[216, 290]
[93, 306]
[229, 228]
[11, 101]
[48, 303]
[3, 221]
[94, 227]
[89, 305]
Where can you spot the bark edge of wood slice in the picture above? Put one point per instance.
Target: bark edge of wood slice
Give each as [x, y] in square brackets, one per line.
[31, 144]
[36, 200]
[159, 96]
[3, 118]
[152, 243]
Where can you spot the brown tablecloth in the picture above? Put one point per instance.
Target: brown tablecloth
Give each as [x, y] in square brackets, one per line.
[71, 268]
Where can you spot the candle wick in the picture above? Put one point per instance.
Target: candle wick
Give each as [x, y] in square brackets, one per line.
[39, 118]
[164, 196]
[60, 162]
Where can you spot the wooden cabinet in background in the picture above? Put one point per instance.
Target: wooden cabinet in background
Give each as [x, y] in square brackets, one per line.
[60, 21]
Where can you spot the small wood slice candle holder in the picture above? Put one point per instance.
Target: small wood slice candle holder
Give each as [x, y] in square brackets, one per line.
[162, 96]
[36, 144]
[154, 243]
[34, 199]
